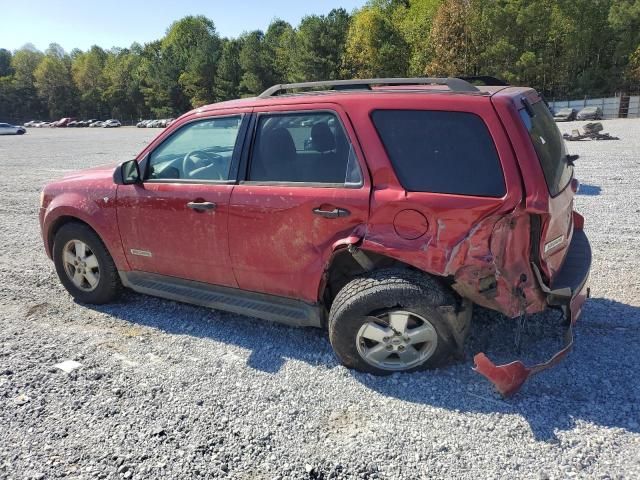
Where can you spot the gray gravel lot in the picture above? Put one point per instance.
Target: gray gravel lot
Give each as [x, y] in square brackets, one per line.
[173, 391]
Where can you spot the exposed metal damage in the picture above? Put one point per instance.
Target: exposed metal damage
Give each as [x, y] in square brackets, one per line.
[490, 266]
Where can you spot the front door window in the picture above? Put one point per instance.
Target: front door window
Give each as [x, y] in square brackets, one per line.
[200, 150]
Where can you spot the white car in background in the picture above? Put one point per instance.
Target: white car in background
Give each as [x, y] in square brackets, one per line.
[111, 123]
[7, 129]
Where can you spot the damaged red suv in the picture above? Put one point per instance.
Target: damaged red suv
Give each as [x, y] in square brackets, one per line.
[381, 209]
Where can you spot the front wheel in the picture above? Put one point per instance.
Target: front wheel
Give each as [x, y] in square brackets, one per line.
[84, 265]
[390, 322]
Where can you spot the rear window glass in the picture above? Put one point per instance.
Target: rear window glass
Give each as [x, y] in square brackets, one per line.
[549, 147]
[441, 152]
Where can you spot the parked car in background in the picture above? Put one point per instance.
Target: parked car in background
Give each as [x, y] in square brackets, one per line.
[111, 123]
[64, 122]
[73, 124]
[33, 123]
[8, 129]
[565, 115]
[590, 113]
[159, 123]
[378, 212]
[97, 124]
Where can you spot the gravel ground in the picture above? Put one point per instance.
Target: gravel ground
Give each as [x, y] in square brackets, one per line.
[167, 390]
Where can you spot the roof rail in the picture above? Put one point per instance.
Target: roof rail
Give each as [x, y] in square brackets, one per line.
[454, 84]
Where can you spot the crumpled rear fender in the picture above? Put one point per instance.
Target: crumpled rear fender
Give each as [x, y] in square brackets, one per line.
[489, 265]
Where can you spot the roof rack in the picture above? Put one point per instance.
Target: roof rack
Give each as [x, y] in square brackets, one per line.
[454, 84]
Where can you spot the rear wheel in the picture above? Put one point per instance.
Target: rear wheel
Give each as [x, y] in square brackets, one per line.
[84, 265]
[389, 322]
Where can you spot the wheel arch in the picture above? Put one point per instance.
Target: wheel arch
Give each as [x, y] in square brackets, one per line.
[66, 218]
[344, 267]
[61, 221]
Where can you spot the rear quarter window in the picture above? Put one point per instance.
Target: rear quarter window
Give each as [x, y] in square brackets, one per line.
[441, 152]
[549, 146]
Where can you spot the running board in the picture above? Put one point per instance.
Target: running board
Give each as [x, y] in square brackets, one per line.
[267, 307]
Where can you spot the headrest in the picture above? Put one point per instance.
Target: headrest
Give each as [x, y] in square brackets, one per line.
[322, 138]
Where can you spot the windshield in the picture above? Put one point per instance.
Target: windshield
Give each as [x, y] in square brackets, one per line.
[549, 147]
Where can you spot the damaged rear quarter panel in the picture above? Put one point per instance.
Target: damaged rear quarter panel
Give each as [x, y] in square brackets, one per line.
[470, 240]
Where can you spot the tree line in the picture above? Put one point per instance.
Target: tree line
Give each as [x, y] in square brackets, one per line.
[563, 48]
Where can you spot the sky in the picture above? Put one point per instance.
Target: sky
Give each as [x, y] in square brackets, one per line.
[117, 23]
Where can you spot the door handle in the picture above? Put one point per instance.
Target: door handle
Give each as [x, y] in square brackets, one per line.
[335, 213]
[201, 206]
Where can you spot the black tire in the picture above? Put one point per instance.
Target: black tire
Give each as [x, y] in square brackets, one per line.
[386, 290]
[108, 287]
[20, 132]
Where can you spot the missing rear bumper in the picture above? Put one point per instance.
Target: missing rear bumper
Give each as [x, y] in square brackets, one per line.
[508, 378]
[569, 292]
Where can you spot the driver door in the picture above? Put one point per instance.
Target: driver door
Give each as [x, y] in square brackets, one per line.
[175, 222]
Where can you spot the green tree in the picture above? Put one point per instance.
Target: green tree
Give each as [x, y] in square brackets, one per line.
[414, 20]
[256, 63]
[624, 19]
[5, 62]
[279, 41]
[375, 47]
[54, 84]
[122, 74]
[229, 72]
[22, 85]
[87, 70]
[192, 48]
[162, 94]
[319, 45]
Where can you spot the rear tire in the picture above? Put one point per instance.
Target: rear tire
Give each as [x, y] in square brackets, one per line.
[389, 322]
[84, 265]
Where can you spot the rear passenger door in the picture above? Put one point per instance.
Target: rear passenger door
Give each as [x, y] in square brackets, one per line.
[305, 187]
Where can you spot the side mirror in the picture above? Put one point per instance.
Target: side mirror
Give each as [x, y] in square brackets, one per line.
[127, 173]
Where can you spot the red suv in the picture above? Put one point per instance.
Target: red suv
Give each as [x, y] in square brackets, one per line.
[380, 209]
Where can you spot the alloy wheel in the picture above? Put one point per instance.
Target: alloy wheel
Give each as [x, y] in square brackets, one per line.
[81, 265]
[396, 340]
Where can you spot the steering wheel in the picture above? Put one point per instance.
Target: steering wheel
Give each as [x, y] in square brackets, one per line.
[190, 166]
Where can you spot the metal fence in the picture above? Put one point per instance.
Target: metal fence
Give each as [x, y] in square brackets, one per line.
[612, 107]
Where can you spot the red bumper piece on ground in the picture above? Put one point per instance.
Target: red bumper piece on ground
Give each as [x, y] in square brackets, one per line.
[509, 378]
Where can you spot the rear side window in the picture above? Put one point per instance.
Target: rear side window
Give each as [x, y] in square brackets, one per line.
[309, 147]
[441, 152]
[549, 147]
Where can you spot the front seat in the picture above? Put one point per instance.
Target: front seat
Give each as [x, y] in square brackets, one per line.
[322, 138]
[331, 165]
[276, 157]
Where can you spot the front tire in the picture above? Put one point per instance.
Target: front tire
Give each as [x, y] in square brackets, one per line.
[389, 321]
[84, 265]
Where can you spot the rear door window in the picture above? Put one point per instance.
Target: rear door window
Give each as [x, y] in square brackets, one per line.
[549, 147]
[441, 152]
[309, 147]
